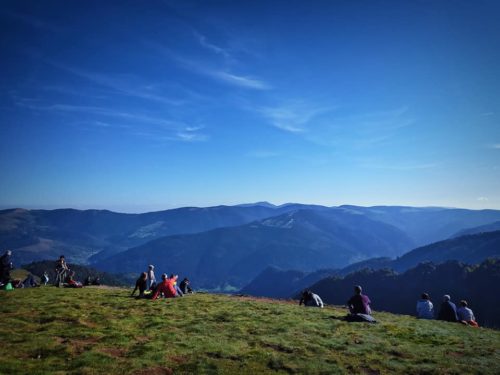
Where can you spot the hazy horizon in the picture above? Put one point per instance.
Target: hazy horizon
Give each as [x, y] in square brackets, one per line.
[138, 209]
[140, 106]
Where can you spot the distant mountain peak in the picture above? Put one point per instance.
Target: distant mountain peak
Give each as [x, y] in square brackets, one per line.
[263, 204]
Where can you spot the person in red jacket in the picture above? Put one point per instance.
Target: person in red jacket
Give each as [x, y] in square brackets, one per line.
[166, 287]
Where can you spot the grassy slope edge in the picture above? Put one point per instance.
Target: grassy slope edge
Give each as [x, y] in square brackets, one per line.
[102, 330]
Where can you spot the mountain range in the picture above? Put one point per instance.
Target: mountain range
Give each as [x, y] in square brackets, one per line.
[226, 247]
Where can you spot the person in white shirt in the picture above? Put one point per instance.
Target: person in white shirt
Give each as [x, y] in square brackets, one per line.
[311, 299]
[425, 308]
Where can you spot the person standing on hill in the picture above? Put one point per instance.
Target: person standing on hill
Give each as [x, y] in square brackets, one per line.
[5, 267]
[359, 303]
[151, 277]
[448, 310]
[465, 315]
[62, 271]
[425, 308]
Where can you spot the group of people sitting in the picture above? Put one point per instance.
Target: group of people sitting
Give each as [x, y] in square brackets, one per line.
[447, 312]
[358, 304]
[167, 288]
[360, 310]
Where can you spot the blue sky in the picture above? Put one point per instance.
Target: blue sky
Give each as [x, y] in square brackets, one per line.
[147, 105]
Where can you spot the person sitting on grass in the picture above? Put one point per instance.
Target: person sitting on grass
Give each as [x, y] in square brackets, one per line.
[359, 303]
[71, 283]
[30, 282]
[141, 284]
[448, 310]
[465, 315]
[425, 308]
[178, 291]
[310, 299]
[186, 286]
[166, 287]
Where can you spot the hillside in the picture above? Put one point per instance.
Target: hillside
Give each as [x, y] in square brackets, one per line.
[480, 229]
[305, 240]
[89, 235]
[469, 249]
[95, 330]
[398, 293]
[277, 283]
[425, 225]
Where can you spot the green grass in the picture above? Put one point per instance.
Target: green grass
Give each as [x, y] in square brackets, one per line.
[103, 331]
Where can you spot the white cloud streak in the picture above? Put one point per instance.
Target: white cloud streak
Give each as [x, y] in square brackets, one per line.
[143, 125]
[293, 117]
[202, 39]
[220, 75]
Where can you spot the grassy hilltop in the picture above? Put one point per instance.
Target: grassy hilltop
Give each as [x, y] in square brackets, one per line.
[103, 331]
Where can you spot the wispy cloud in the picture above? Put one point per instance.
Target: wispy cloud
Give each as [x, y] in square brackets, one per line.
[294, 116]
[221, 75]
[202, 39]
[495, 146]
[238, 80]
[137, 124]
[120, 84]
[482, 199]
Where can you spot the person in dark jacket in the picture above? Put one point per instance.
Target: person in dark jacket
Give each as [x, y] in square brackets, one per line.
[141, 284]
[448, 310]
[30, 282]
[186, 286]
[5, 267]
[359, 303]
[88, 281]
